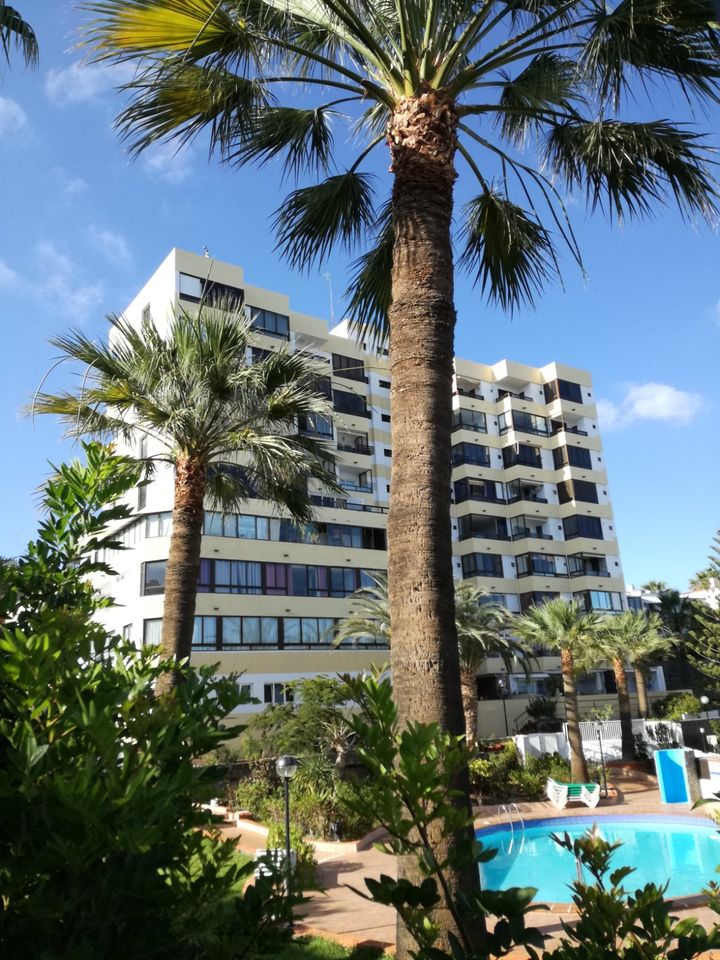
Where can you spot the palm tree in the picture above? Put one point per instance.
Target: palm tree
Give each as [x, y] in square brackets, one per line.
[655, 586]
[438, 82]
[15, 30]
[646, 641]
[561, 625]
[483, 630]
[615, 644]
[190, 391]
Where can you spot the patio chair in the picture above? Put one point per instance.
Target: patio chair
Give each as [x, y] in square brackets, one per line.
[561, 794]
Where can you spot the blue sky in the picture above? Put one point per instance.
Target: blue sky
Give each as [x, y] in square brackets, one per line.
[82, 227]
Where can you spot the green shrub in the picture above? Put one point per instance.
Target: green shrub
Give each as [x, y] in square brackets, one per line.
[304, 851]
[101, 791]
[260, 794]
[675, 705]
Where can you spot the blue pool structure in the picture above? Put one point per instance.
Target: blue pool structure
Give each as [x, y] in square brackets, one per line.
[681, 851]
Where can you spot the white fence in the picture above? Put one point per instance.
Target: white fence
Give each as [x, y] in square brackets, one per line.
[656, 733]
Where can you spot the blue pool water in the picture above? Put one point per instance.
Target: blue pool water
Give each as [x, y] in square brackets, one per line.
[682, 850]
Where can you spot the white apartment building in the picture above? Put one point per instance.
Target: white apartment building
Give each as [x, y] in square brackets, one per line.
[532, 516]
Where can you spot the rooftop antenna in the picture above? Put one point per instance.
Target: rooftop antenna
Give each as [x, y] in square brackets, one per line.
[206, 252]
[328, 277]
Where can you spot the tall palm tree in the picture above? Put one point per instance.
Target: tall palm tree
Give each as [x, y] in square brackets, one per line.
[615, 644]
[190, 391]
[655, 586]
[18, 32]
[483, 630]
[561, 625]
[436, 83]
[646, 642]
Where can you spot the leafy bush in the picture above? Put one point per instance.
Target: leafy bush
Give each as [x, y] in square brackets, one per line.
[100, 790]
[305, 870]
[541, 716]
[675, 705]
[260, 794]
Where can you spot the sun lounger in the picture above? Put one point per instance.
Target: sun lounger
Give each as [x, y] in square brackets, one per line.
[561, 794]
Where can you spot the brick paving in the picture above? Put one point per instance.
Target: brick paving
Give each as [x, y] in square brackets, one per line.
[338, 913]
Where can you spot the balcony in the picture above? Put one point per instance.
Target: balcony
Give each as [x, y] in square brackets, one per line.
[359, 486]
[353, 443]
[586, 565]
[503, 394]
[485, 492]
[526, 533]
[465, 392]
[338, 504]
[560, 427]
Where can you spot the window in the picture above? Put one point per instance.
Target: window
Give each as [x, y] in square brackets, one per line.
[472, 453]
[277, 693]
[574, 456]
[257, 354]
[351, 403]
[525, 422]
[469, 420]
[385, 417]
[564, 390]
[196, 289]
[578, 526]
[127, 632]
[269, 322]
[490, 528]
[535, 597]
[152, 632]
[278, 579]
[578, 490]
[384, 384]
[478, 490]
[316, 425]
[190, 288]
[158, 524]
[635, 603]
[230, 576]
[205, 634]
[348, 367]
[153, 577]
[521, 453]
[599, 600]
[538, 564]
[482, 565]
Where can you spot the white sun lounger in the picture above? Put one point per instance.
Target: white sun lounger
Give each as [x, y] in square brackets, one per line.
[561, 794]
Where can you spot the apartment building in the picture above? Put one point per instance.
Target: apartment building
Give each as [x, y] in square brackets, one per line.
[532, 516]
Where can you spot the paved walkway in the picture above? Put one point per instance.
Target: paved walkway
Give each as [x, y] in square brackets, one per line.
[338, 913]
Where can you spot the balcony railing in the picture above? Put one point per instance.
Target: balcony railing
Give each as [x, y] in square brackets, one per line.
[523, 534]
[363, 448]
[338, 504]
[483, 498]
[527, 497]
[473, 394]
[484, 535]
[589, 573]
[355, 485]
[563, 426]
[502, 394]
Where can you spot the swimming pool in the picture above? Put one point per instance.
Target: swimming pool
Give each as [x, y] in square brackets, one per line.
[682, 850]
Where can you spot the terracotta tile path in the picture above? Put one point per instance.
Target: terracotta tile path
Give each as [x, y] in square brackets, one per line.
[338, 913]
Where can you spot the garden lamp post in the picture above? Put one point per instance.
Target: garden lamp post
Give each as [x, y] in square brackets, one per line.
[286, 768]
[705, 701]
[598, 730]
[703, 734]
[503, 689]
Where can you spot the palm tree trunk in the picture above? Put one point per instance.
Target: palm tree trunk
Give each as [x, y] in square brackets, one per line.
[644, 707]
[623, 695]
[578, 766]
[470, 701]
[424, 653]
[183, 566]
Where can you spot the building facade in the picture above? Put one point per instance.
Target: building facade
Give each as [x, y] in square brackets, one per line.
[532, 516]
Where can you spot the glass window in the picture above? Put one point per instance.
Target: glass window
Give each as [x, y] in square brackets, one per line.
[267, 321]
[213, 525]
[229, 525]
[309, 631]
[579, 526]
[251, 631]
[291, 630]
[154, 577]
[205, 635]
[246, 528]
[190, 287]
[231, 633]
[351, 403]
[316, 425]
[152, 632]
[262, 528]
[269, 631]
[472, 453]
[348, 367]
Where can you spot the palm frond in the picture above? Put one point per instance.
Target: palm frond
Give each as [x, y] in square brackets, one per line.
[667, 38]
[548, 83]
[509, 252]
[369, 293]
[628, 167]
[175, 100]
[304, 136]
[314, 220]
[14, 31]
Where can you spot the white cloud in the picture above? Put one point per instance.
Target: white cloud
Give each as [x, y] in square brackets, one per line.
[12, 116]
[8, 277]
[657, 402]
[168, 161]
[84, 82]
[112, 245]
[58, 280]
[68, 184]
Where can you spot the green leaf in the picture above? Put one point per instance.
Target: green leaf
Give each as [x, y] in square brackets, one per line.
[509, 252]
[314, 220]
